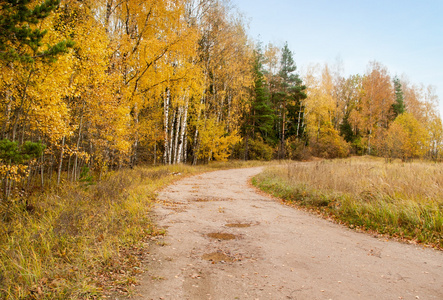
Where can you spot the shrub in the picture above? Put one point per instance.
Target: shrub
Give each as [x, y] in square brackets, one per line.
[296, 149]
[257, 149]
[330, 144]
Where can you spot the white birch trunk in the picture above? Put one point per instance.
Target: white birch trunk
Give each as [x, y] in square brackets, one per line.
[298, 123]
[185, 151]
[228, 124]
[196, 145]
[177, 133]
[182, 144]
[171, 137]
[75, 167]
[166, 124]
[134, 157]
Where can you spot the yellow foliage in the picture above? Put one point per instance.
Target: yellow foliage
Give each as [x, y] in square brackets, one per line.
[104, 99]
[36, 92]
[406, 138]
[319, 104]
[215, 142]
[436, 137]
[12, 172]
[329, 144]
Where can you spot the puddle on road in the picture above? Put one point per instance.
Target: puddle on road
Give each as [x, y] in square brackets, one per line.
[217, 257]
[221, 236]
[238, 225]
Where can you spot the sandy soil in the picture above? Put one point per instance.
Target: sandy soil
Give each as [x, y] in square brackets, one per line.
[226, 241]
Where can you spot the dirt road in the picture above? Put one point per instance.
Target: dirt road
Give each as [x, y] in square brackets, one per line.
[225, 241]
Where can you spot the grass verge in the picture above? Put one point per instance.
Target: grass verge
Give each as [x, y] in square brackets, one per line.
[403, 201]
[83, 241]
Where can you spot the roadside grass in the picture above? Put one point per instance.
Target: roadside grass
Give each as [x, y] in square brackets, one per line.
[402, 200]
[84, 240]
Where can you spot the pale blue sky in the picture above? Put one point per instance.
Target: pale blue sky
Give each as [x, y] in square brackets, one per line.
[405, 36]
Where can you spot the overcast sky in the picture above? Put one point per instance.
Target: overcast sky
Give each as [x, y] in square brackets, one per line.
[403, 35]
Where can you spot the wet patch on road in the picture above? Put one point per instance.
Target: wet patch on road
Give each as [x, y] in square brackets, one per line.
[218, 257]
[221, 236]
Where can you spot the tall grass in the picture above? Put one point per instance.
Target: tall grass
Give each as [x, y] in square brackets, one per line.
[67, 245]
[403, 200]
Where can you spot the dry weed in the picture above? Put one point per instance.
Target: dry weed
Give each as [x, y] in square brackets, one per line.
[401, 199]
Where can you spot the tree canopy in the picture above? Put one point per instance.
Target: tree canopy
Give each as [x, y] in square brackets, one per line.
[108, 84]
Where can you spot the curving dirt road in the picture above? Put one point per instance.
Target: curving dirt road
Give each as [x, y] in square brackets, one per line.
[225, 241]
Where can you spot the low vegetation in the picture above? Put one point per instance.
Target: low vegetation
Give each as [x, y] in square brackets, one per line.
[85, 239]
[82, 240]
[402, 200]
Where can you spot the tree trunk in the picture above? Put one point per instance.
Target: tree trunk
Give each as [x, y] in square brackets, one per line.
[171, 138]
[155, 153]
[185, 151]
[228, 124]
[182, 133]
[369, 142]
[177, 133]
[42, 171]
[134, 156]
[166, 125]
[298, 122]
[282, 141]
[80, 127]
[62, 150]
[22, 103]
[7, 114]
[246, 147]
[196, 147]
[108, 14]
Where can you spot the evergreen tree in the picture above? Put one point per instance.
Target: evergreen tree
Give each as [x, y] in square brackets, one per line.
[289, 95]
[12, 153]
[259, 121]
[20, 37]
[262, 113]
[346, 130]
[398, 107]
[288, 67]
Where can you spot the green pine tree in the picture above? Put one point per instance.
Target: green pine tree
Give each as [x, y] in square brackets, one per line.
[13, 154]
[262, 113]
[20, 38]
[258, 126]
[288, 100]
[399, 106]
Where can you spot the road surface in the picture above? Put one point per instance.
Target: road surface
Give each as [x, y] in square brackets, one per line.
[226, 241]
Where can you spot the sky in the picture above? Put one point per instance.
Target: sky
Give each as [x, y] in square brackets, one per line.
[403, 35]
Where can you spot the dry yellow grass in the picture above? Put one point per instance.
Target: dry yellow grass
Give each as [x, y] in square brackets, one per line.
[81, 241]
[400, 199]
[417, 181]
